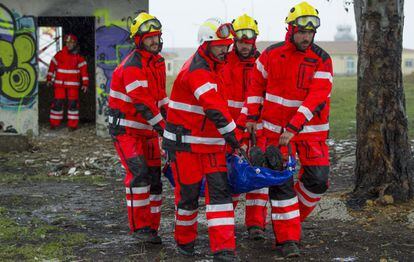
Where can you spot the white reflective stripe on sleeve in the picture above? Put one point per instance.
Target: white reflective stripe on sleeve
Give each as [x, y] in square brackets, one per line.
[255, 100]
[264, 190]
[138, 203]
[130, 123]
[304, 201]
[307, 192]
[227, 129]
[56, 117]
[56, 112]
[256, 202]
[119, 95]
[315, 128]
[283, 101]
[155, 197]
[186, 107]
[244, 110]
[155, 120]
[54, 61]
[259, 126]
[195, 139]
[235, 104]
[227, 221]
[271, 127]
[73, 117]
[71, 83]
[155, 210]
[285, 203]
[203, 89]
[285, 216]
[306, 112]
[186, 222]
[163, 101]
[218, 208]
[68, 71]
[85, 78]
[261, 68]
[138, 190]
[73, 112]
[323, 75]
[136, 84]
[183, 212]
[82, 64]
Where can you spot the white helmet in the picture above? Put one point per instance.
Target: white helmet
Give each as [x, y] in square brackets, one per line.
[214, 29]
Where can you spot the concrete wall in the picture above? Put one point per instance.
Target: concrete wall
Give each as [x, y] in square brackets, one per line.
[18, 47]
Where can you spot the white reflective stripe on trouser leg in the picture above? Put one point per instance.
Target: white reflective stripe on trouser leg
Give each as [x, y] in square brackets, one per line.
[156, 209]
[284, 203]
[203, 89]
[304, 201]
[225, 221]
[227, 129]
[56, 117]
[56, 112]
[137, 190]
[186, 222]
[256, 202]
[155, 197]
[73, 112]
[73, 117]
[138, 203]
[264, 190]
[307, 192]
[219, 207]
[286, 216]
[183, 212]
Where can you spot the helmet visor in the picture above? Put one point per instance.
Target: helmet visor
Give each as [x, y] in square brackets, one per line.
[224, 31]
[147, 25]
[308, 21]
[245, 34]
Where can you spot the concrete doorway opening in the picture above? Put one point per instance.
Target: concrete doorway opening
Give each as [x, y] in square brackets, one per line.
[50, 34]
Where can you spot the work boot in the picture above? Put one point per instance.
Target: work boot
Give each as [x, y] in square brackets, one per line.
[186, 249]
[274, 159]
[155, 238]
[257, 157]
[147, 235]
[290, 249]
[256, 233]
[225, 256]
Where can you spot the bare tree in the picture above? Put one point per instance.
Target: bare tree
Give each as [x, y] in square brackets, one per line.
[383, 151]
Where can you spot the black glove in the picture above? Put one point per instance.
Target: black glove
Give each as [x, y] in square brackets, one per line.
[231, 140]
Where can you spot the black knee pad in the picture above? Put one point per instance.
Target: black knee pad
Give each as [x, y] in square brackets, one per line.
[283, 191]
[315, 178]
[73, 105]
[218, 188]
[139, 169]
[189, 196]
[57, 104]
[155, 180]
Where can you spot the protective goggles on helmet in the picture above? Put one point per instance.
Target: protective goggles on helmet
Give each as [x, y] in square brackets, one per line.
[245, 34]
[224, 31]
[148, 25]
[307, 21]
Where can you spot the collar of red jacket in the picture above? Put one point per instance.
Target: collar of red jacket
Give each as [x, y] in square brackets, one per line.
[147, 55]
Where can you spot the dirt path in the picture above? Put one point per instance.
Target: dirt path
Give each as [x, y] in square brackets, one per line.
[46, 213]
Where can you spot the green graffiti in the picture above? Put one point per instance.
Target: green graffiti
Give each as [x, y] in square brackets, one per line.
[104, 18]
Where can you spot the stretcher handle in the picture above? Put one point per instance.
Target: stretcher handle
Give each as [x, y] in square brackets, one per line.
[253, 138]
[243, 153]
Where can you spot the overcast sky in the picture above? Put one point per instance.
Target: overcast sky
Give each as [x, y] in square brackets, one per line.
[181, 18]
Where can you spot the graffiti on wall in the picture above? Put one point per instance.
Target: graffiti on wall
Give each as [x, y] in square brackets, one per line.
[18, 81]
[112, 45]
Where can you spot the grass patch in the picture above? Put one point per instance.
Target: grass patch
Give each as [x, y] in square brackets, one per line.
[35, 240]
[42, 177]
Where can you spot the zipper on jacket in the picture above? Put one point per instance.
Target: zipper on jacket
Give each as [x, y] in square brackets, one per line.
[204, 123]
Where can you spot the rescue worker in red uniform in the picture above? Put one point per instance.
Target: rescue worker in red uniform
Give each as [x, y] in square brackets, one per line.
[198, 128]
[237, 75]
[293, 79]
[137, 109]
[68, 72]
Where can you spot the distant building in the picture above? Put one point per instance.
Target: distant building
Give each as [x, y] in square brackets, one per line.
[343, 33]
[176, 57]
[344, 56]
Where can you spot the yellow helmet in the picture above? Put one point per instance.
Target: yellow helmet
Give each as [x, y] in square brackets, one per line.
[303, 15]
[245, 27]
[144, 23]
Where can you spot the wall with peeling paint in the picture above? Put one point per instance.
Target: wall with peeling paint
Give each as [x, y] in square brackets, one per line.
[18, 47]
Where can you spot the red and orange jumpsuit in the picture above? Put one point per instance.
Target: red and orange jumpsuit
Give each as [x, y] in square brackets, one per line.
[137, 107]
[294, 87]
[69, 72]
[198, 127]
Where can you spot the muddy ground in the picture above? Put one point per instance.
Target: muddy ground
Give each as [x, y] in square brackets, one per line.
[64, 200]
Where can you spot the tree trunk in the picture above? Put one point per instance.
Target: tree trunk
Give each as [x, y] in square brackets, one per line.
[383, 151]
